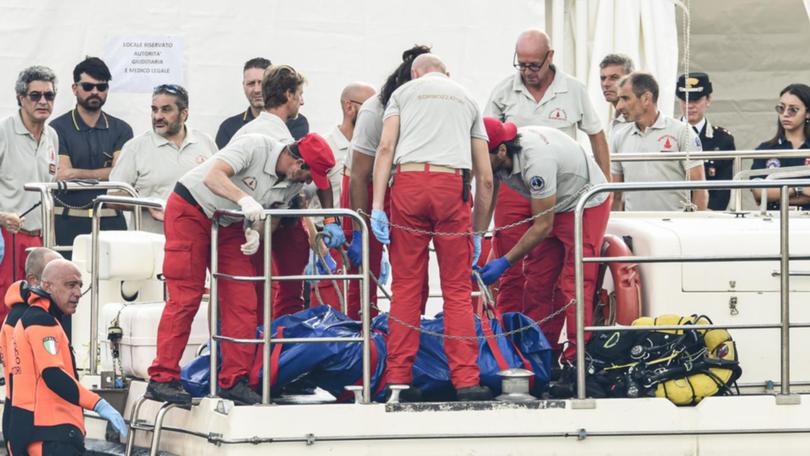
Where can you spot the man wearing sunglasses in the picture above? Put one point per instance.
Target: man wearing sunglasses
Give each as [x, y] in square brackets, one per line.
[538, 93]
[252, 75]
[153, 161]
[699, 88]
[89, 140]
[28, 150]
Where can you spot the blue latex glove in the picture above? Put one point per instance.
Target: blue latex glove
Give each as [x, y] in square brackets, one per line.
[106, 411]
[2, 246]
[494, 269]
[355, 251]
[379, 226]
[335, 237]
[313, 260]
[385, 268]
[476, 248]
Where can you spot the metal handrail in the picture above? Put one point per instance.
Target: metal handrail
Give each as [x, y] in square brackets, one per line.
[737, 155]
[784, 173]
[98, 202]
[267, 340]
[749, 173]
[46, 189]
[579, 264]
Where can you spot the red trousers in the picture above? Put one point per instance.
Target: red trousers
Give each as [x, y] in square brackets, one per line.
[13, 263]
[510, 207]
[290, 253]
[375, 250]
[187, 255]
[550, 275]
[431, 201]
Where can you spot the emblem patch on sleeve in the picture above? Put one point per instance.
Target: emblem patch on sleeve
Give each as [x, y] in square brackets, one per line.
[50, 345]
[250, 182]
[537, 183]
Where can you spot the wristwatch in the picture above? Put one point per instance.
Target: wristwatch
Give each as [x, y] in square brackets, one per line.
[797, 191]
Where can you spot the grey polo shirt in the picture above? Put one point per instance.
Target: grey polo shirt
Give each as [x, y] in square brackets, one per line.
[551, 163]
[253, 158]
[267, 124]
[665, 135]
[437, 118]
[565, 105]
[24, 160]
[152, 164]
[367, 129]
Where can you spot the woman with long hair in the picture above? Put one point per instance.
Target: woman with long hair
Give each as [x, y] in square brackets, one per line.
[792, 132]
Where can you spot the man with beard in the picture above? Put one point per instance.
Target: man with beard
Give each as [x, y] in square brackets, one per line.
[154, 161]
[252, 85]
[89, 140]
[28, 151]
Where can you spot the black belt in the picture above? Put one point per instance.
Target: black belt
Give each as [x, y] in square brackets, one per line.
[183, 192]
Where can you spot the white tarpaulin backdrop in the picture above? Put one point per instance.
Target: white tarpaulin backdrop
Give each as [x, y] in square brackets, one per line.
[331, 42]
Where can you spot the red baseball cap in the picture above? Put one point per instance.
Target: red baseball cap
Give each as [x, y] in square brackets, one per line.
[317, 154]
[499, 132]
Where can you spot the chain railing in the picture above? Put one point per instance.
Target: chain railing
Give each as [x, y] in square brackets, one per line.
[784, 258]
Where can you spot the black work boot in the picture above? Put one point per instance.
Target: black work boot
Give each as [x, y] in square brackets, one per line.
[474, 393]
[171, 391]
[240, 393]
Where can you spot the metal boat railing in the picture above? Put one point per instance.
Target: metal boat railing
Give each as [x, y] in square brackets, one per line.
[46, 190]
[267, 340]
[784, 258]
[736, 155]
[98, 203]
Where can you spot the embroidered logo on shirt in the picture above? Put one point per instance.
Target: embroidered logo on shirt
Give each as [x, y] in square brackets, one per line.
[537, 183]
[667, 142]
[807, 161]
[773, 163]
[558, 114]
[50, 345]
[250, 182]
[201, 159]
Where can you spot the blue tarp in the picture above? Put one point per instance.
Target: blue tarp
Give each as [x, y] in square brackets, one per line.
[332, 366]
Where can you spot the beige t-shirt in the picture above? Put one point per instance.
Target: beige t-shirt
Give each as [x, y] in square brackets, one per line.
[153, 164]
[564, 106]
[23, 160]
[253, 158]
[267, 124]
[551, 163]
[665, 135]
[438, 119]
[367, 129]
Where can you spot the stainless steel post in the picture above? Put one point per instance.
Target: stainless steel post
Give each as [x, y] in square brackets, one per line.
[579, 284]
[737, 167]
[213, 309]
[784, 195]
[268, 309]
[92, 360]
[366, 315]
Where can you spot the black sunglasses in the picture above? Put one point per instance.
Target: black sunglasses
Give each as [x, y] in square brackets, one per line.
[173, 89]
[36, 96]
[533, 67]
[88, 86]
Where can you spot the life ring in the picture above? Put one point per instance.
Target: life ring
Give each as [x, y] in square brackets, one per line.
[624, 305]
[717, 370]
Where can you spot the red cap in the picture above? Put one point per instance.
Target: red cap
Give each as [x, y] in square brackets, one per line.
[499, 132]
[318, 156]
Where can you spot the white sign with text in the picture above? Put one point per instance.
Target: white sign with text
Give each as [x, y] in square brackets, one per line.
[138, 63]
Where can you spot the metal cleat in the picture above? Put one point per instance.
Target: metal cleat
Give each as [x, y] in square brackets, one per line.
[357, 390]
[396, 390]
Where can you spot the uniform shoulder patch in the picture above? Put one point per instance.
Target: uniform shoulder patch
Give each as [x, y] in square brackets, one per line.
[50, 345]
[537, 183]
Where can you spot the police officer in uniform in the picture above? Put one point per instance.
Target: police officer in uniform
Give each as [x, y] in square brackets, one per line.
[712, 137]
